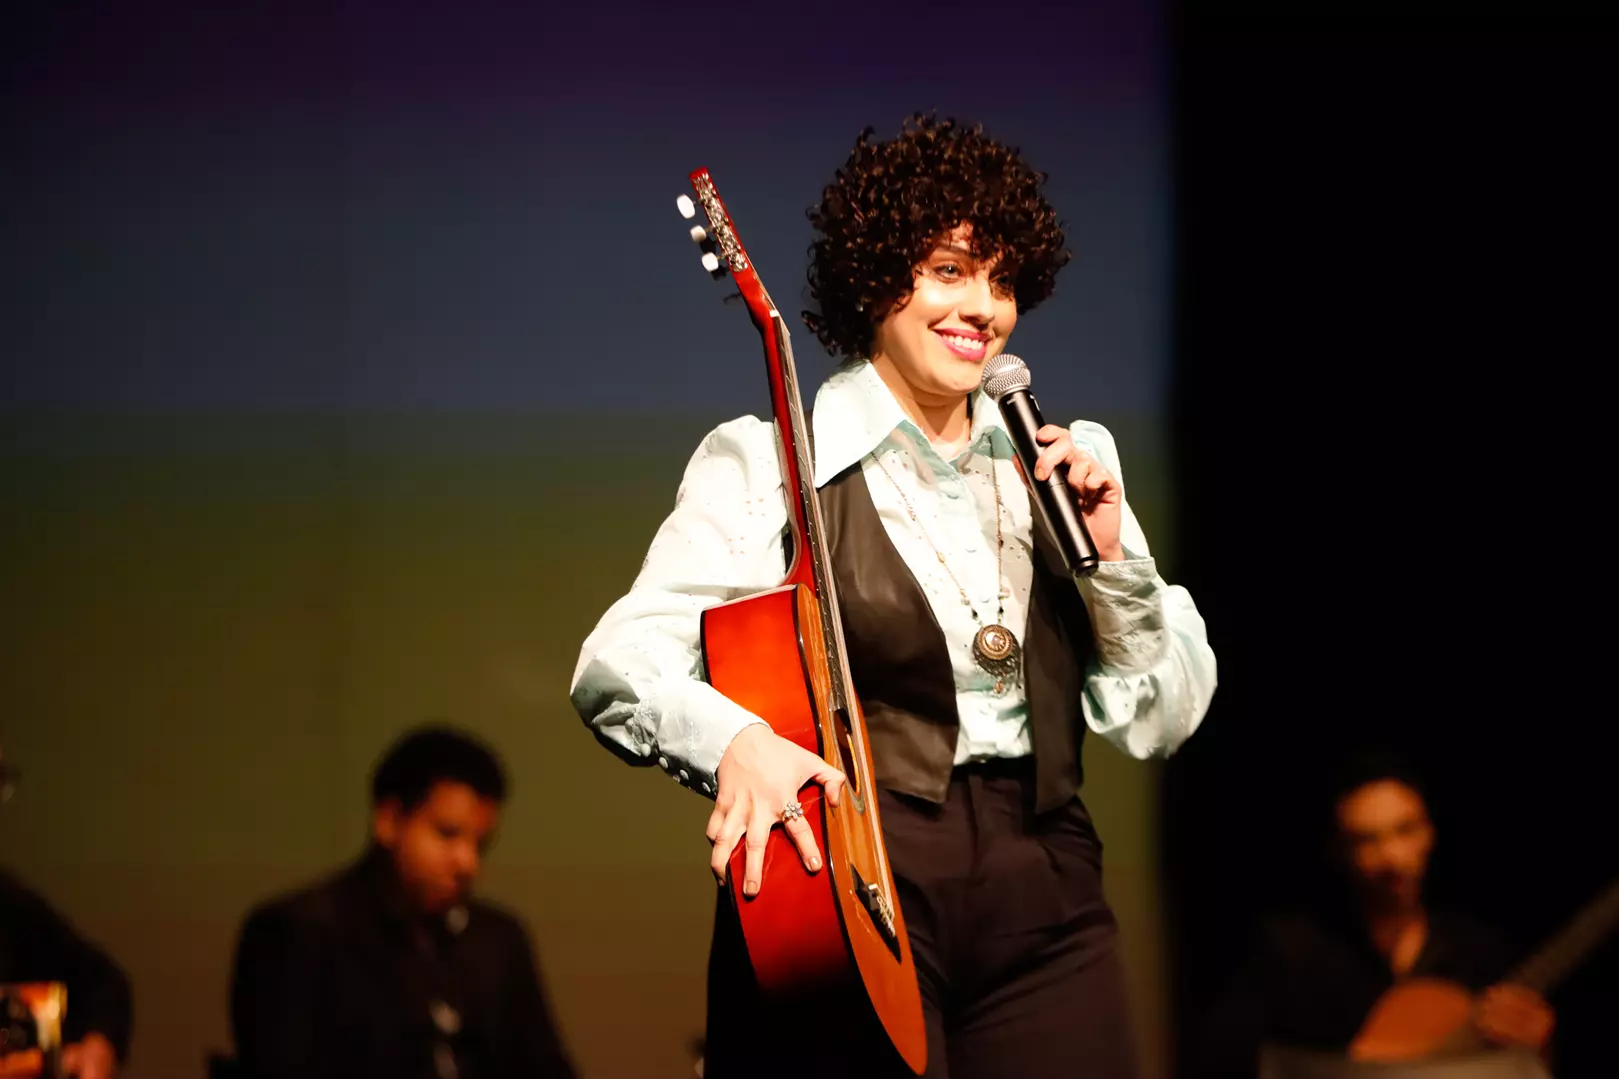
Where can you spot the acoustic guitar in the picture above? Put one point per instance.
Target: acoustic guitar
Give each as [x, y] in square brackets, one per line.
[31, 1017]
[829, 945]
[1421, 1018]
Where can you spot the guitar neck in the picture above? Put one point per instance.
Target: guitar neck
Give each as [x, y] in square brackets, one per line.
[1562, 954]
[809, 567]
[797, 464]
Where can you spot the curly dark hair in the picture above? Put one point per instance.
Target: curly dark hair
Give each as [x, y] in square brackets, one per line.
[892, 201]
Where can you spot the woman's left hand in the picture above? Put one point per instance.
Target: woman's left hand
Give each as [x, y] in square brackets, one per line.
[1101, 496]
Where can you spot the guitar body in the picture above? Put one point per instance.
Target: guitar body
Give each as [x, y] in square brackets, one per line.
[31, 1019]
[1417, 1019]
[28, 1064]
[812, 938]
[1422, 1018]
[828, 948]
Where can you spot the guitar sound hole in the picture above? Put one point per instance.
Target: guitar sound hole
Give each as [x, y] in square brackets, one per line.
[846, 752]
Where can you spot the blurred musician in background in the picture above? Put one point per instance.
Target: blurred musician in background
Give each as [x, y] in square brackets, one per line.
[37, 945]
[390, 968]
[1313, 979]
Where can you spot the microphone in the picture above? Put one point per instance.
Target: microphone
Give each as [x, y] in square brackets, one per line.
[1006, 380]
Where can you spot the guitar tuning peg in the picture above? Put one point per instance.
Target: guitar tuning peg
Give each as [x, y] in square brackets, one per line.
[711, 262]
[686, 207]
[698, 234]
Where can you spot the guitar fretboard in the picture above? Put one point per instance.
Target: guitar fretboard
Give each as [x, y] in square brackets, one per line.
[815, 536]
[1558, 957]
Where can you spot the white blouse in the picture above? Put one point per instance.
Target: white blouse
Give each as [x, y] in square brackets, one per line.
[638, 681]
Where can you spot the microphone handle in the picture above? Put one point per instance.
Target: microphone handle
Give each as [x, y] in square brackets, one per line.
[1057, 502]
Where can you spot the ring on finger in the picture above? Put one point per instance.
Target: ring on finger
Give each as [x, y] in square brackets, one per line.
[791, 811]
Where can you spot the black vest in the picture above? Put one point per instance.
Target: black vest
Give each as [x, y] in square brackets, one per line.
[900, 663]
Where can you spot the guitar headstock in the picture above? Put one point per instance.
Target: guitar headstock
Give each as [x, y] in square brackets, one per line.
[722, 247]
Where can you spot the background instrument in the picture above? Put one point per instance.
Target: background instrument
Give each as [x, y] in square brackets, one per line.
[1420, 1018]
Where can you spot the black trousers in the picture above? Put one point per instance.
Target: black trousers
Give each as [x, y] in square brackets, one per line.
[1015, 945]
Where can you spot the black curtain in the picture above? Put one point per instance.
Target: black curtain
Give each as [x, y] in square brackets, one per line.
[1394, 279]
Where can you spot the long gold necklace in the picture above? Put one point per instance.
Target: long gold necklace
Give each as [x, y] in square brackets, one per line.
[995, 648]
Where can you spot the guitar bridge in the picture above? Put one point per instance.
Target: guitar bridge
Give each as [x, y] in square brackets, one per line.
[880, 909]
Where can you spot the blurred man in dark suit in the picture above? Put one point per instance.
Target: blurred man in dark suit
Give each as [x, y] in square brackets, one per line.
[390, 968]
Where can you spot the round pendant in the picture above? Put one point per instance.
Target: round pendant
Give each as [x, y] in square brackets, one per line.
[994, 643]
[996, 650]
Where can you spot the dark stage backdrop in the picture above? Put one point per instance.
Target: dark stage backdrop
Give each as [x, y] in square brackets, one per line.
[1393, 279]
[352, 354]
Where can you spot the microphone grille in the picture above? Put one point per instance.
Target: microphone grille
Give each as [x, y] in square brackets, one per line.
[1003, 374]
